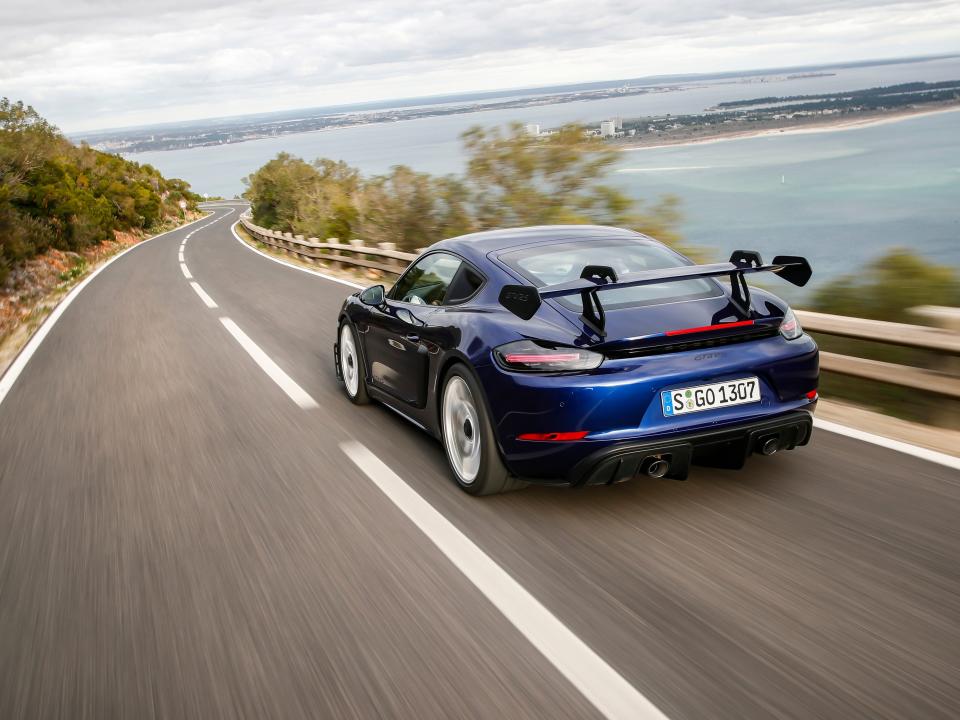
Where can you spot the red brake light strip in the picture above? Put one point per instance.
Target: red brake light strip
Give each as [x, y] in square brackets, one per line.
[709, 328]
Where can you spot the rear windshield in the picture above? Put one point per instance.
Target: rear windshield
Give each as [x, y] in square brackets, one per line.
[552, 264]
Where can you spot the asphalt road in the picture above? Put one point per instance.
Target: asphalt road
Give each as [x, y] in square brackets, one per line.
[179, 538]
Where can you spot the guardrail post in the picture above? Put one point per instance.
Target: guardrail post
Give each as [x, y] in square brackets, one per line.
[392, 262]
[334, 251]
[946, 318]
[357, 243]
[300, 250]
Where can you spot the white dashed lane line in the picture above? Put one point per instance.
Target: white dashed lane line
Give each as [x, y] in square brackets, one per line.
[273, 371]
[266, 363]
[603, 686]
[203, 295]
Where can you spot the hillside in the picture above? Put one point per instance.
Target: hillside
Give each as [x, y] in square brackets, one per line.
[55, 195]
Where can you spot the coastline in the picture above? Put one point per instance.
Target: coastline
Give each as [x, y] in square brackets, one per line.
[808, 128]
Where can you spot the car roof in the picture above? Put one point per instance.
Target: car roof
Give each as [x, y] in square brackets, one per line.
[476, 246]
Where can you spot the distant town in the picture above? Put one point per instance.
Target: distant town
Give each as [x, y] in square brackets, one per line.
[734, 118]
[773, 113]
[236, 130]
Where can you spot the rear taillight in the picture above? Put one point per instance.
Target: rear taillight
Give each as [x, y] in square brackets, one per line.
[790, 326]
[529, 356]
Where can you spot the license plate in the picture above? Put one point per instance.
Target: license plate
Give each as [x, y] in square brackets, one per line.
[708, 397]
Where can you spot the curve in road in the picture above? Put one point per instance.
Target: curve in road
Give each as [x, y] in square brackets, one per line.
[183, 535]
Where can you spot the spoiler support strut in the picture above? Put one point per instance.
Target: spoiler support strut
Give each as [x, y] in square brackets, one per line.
[593, 316]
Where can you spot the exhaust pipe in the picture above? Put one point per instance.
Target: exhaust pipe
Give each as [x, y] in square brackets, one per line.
[655, 467]
[768, 446]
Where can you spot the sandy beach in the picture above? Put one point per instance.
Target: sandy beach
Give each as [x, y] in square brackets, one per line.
[807, 128]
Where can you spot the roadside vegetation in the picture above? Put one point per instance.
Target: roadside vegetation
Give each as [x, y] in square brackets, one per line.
[886, 290]
[512, 179]
[889, 287]
[55, 195]
[64, 209]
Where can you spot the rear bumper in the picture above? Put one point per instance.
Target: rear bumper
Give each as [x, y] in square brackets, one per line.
[727, 446]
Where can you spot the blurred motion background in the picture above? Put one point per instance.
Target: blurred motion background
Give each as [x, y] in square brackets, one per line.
[842, 151]
[177, 539]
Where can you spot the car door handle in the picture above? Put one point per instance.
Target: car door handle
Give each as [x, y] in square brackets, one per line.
[396, 344]
[413, 337]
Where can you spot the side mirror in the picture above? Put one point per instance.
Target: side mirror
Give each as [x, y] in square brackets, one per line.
[373, 295]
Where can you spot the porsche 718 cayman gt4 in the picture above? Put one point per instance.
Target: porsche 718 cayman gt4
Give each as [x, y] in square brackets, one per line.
[582, 355]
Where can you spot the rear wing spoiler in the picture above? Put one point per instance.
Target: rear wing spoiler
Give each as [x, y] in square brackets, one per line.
[524, 300]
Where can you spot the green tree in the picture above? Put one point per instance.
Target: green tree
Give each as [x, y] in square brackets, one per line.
[56, 194]
[512, 179]
[889, 287]
[329, 209]
[411, 209]
[277, 189]
[520, 179]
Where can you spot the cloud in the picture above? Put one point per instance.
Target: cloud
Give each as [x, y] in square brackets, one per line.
[98, 63]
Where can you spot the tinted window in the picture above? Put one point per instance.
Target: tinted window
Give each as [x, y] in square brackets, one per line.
[427, 281]
[552, 264]
[464, 285]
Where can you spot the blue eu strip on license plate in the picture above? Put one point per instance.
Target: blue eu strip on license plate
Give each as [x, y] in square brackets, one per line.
[707, 397]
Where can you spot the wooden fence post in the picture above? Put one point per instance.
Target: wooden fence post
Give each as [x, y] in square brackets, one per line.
[299, 249]
[395, 263]
[357, 243]
[334, 251]
[946, 318]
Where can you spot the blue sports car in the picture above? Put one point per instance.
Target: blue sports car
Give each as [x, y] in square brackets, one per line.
[582, 355]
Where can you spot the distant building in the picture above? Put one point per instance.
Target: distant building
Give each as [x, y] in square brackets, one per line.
[532, 129]
[608, 128]
[618, 123]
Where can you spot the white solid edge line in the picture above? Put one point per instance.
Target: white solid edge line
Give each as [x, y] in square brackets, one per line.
[186, 271]
[889, 443]
[208, 301]
[23, 357]
[233, 229]
[275, 373]
[603, 686]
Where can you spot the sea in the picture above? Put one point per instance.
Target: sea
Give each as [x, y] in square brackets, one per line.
[842, 198]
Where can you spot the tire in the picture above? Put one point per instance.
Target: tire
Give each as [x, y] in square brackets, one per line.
[468, 438]
[351, 367]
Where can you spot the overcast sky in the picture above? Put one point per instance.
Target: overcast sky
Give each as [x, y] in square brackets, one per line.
[89, 64]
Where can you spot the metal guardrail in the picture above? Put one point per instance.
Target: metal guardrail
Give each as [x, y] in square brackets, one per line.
[384, 257]
[944, 341]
